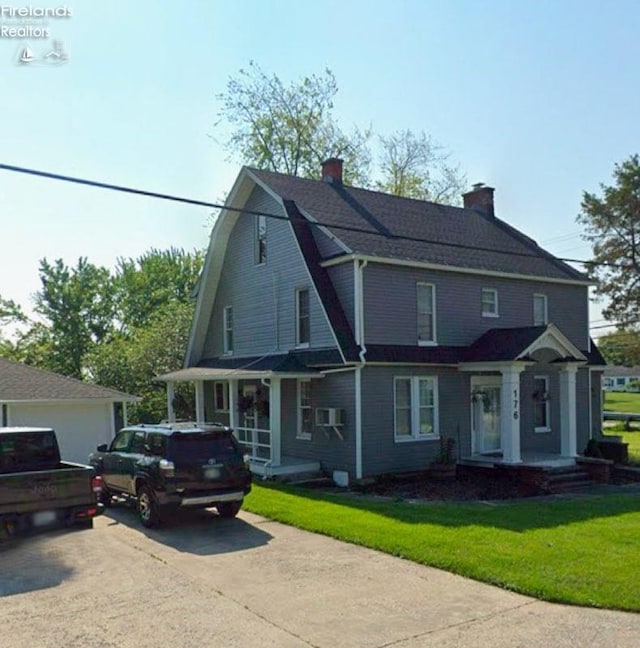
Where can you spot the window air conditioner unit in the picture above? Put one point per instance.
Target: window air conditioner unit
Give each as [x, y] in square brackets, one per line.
[329, 417]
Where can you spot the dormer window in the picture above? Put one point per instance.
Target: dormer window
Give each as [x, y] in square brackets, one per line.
[260, 240]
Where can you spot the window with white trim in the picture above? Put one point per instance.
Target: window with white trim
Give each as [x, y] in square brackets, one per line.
[305, 410]
[227, 329]
[221, 396]
[489, 302]
[426, 299]
[415, 408]
[541, 404]
[260, 240]
[540, 310]
[303, 319]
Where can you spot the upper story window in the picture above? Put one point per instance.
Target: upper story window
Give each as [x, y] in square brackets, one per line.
[227, 329]
[260, 240]
[540, 310]
[489, 302]
[303, 320]
[426, 313]
[415, 408]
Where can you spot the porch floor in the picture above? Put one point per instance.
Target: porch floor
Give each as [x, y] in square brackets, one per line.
[287, 466]
[534, 459]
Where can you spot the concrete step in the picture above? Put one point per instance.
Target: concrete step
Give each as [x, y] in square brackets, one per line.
[568, 479]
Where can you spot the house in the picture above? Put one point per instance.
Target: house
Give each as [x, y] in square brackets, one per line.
[621, 378]
[83, 415]
[350, 330]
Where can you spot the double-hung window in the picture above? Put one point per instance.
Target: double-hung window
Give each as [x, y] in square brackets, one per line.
[489, 302]
[303, 322]
[227, 329]
[260, 240]
[415, 408]
[221, 396]
[540, 310]
[426, 294]
[305, 410]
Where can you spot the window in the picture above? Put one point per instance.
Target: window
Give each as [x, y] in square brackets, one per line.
[260, 245]
[541, 404]
[138, 445]
[227, 325]
[489, 302]
[539, 310]
[415, 408]
[305, 411]
[221, 396]
[426, 314]
[122, 441]
[303, 324]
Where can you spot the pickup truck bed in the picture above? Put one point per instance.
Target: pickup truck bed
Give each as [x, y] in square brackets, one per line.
[36, 488]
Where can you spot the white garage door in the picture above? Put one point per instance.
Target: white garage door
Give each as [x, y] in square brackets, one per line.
[79, 428]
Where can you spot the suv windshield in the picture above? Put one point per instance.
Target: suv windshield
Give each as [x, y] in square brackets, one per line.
[202, 446]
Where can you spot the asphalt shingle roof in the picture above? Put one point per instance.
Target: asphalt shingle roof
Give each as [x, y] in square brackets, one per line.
[401, 228]
[20, 382]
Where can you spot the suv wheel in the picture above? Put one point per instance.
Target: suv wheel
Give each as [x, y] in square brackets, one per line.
[147, 508]
[228, 509]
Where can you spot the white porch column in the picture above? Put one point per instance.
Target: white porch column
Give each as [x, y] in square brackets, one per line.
[125, 415]
[233, 404]
[275, 420]
[510, 414]
[171, 414]
[200, 415]
[568, 411]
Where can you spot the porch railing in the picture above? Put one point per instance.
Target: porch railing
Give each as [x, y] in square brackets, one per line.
[257, 441]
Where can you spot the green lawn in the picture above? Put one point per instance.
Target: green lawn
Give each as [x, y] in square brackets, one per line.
[622, 402]
[582, 551]
[632, 437]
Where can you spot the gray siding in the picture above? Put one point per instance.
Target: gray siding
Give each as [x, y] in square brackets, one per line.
[391, 309]
[596, 403]
[342, 278]
[381, 453]
[583, 402]
[326, 245]
[530, 440]
[263, 296]
[335, 390]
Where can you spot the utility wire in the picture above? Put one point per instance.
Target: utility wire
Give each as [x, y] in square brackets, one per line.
[204, 203]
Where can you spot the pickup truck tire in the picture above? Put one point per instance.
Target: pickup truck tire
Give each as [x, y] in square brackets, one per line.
[83, 524]
[147, 508]
[228, 509]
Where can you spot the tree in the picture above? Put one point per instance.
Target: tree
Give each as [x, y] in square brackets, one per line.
[290, 129]
[621, 348]
[130, 362]
[151, 282]
[612, 226]
[414, 166]
[77, 307]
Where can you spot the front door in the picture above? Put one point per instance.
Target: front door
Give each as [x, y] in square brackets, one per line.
[486, 394]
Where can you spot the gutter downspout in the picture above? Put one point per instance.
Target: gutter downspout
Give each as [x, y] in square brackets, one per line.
[359, 322]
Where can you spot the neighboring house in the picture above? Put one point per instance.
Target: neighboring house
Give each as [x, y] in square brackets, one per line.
[83, 415]
[621, 378]
[353, 329]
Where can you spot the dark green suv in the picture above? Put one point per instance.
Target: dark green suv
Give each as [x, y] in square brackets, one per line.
[166, 467]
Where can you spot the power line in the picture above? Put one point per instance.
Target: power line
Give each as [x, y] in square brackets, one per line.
[204, 203]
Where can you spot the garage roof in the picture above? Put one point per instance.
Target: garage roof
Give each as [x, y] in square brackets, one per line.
[20, 382]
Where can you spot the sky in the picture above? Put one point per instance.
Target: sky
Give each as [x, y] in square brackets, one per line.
[537, 99]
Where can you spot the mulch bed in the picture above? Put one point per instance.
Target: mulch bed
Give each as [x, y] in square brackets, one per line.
[422, 486]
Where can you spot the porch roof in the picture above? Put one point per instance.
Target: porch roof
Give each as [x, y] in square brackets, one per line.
[284, 365]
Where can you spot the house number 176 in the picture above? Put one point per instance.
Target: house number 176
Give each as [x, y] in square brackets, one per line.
[516, 403]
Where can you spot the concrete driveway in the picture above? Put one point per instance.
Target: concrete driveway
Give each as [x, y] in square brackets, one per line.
[251, 583]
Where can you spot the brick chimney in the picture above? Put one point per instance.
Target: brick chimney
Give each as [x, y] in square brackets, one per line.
[332, 171]
[480, 198]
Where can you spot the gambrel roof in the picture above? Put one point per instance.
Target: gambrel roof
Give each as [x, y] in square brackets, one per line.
[390, 227]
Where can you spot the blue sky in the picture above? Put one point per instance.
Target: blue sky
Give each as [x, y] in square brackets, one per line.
[538, 99]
